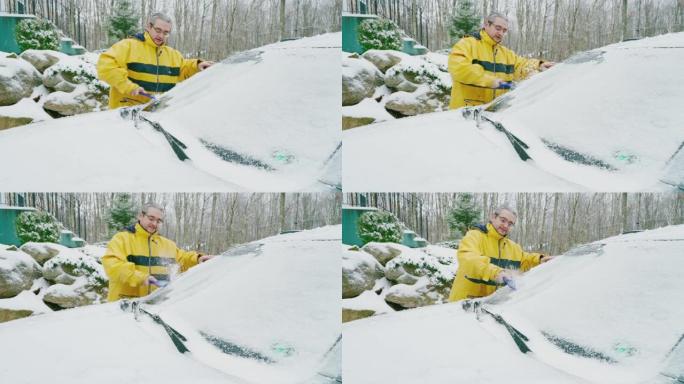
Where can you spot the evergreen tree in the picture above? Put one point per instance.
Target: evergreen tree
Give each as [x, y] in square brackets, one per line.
[464, 215]
[379, 34]
[380, 226]
[36, 34]
[122, 212]
[464, 21]
[37, 226]
[124, 22]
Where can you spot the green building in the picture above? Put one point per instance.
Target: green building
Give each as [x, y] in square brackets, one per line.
[8, 224]
[8, 24]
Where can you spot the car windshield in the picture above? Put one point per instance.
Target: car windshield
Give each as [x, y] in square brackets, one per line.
[602, 108]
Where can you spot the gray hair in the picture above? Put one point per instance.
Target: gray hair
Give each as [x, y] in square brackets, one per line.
[505, 207]
[493, 16]
[159, 16]
[146, 207]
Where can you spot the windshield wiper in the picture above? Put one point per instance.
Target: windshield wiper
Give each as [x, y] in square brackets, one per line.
[518, 337]
[175, 336]
[519, 145]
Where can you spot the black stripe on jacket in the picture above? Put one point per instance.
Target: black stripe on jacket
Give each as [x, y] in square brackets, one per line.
[153, 87]
[154, 69]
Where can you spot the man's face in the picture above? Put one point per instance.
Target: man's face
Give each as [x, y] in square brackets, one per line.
[504, 222]
[497, 29]
[151, 220]
[159, 31]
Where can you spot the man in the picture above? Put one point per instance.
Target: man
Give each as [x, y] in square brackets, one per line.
[487, 257]
[145, 64]
[138, 259]
[480, 65]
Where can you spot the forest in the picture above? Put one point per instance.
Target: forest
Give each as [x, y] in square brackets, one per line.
[211, 29]
[549, 29]
[548, 222]
[210, 222]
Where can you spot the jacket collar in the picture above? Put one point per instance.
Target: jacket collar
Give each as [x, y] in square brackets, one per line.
[147, 39]
[484, 36]
[491, 232]
[138, 230]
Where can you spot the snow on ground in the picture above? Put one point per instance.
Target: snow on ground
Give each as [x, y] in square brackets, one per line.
[368, 300]
[367, 108]
[612, 299]
[631, 125]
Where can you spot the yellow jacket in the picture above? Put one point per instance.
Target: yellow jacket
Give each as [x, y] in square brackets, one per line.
[482, 254]
[139, 62]
[476, 61]
[134, 254]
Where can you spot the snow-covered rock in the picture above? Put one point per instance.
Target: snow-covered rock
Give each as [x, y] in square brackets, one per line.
[42, 59]
[384, 252]
[79, 293]
[367, 304]
[384, 59]
[78, 88]
[421, 293]
[24, 304]
[416, 102]
[17, 271]
[359, 272]
[81, 100]
[17, 79]
[24, 112]
[41, 252]
[366, 112]
[359, 79]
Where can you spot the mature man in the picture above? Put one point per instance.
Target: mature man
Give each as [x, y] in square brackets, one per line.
[144, 63]
[482, 69]
[138, 259]
[487, 258]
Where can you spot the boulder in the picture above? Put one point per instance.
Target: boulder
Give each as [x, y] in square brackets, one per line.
[366, 112]
[348, 122]
[78, 294]
[384, 59]
[81, 100]
[17, 79]
[359, 79]
[359, 272]
[367, 304]
[69, 265]
[17, 271]
[41, 252]
[421, 101]
[355, 314]
[24, 112]
[42, 59]
[24, 304]
[422, 293]
[384, 252]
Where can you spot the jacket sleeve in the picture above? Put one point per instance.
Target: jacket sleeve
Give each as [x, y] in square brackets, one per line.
[524, 67]
[186, 259]
[188, 68]
[474, 264]
[529, 260]
[463, 70]
[112, 68]
[117, 267]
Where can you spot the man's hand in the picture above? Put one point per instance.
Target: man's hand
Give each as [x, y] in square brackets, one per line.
[137, 91]
[505, 277]
[545, 258]
[151, 280]
[204, 258]
[204, 65]
[546, 65]
[497, 83]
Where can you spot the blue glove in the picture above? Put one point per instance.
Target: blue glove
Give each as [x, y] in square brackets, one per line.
[510, 283]
[148, 95]
[506, 85]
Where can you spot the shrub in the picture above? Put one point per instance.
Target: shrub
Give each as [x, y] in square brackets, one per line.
[37, 226]
[379, 34]
[379, 226]
[37, 34]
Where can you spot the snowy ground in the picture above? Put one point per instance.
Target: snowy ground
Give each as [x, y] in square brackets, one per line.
[264, 120]
[607, 312]
[619, 124]
[272, 306]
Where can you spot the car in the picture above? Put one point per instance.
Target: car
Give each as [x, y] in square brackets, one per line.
[262, 120]
[263, 312]
[604, 120]
[605, 312]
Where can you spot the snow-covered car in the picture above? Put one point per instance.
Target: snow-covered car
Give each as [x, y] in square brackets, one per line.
[609, 119]
[262, 120]
[264, 312]
[606, 312]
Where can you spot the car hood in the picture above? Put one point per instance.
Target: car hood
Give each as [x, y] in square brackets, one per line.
[601, 313]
